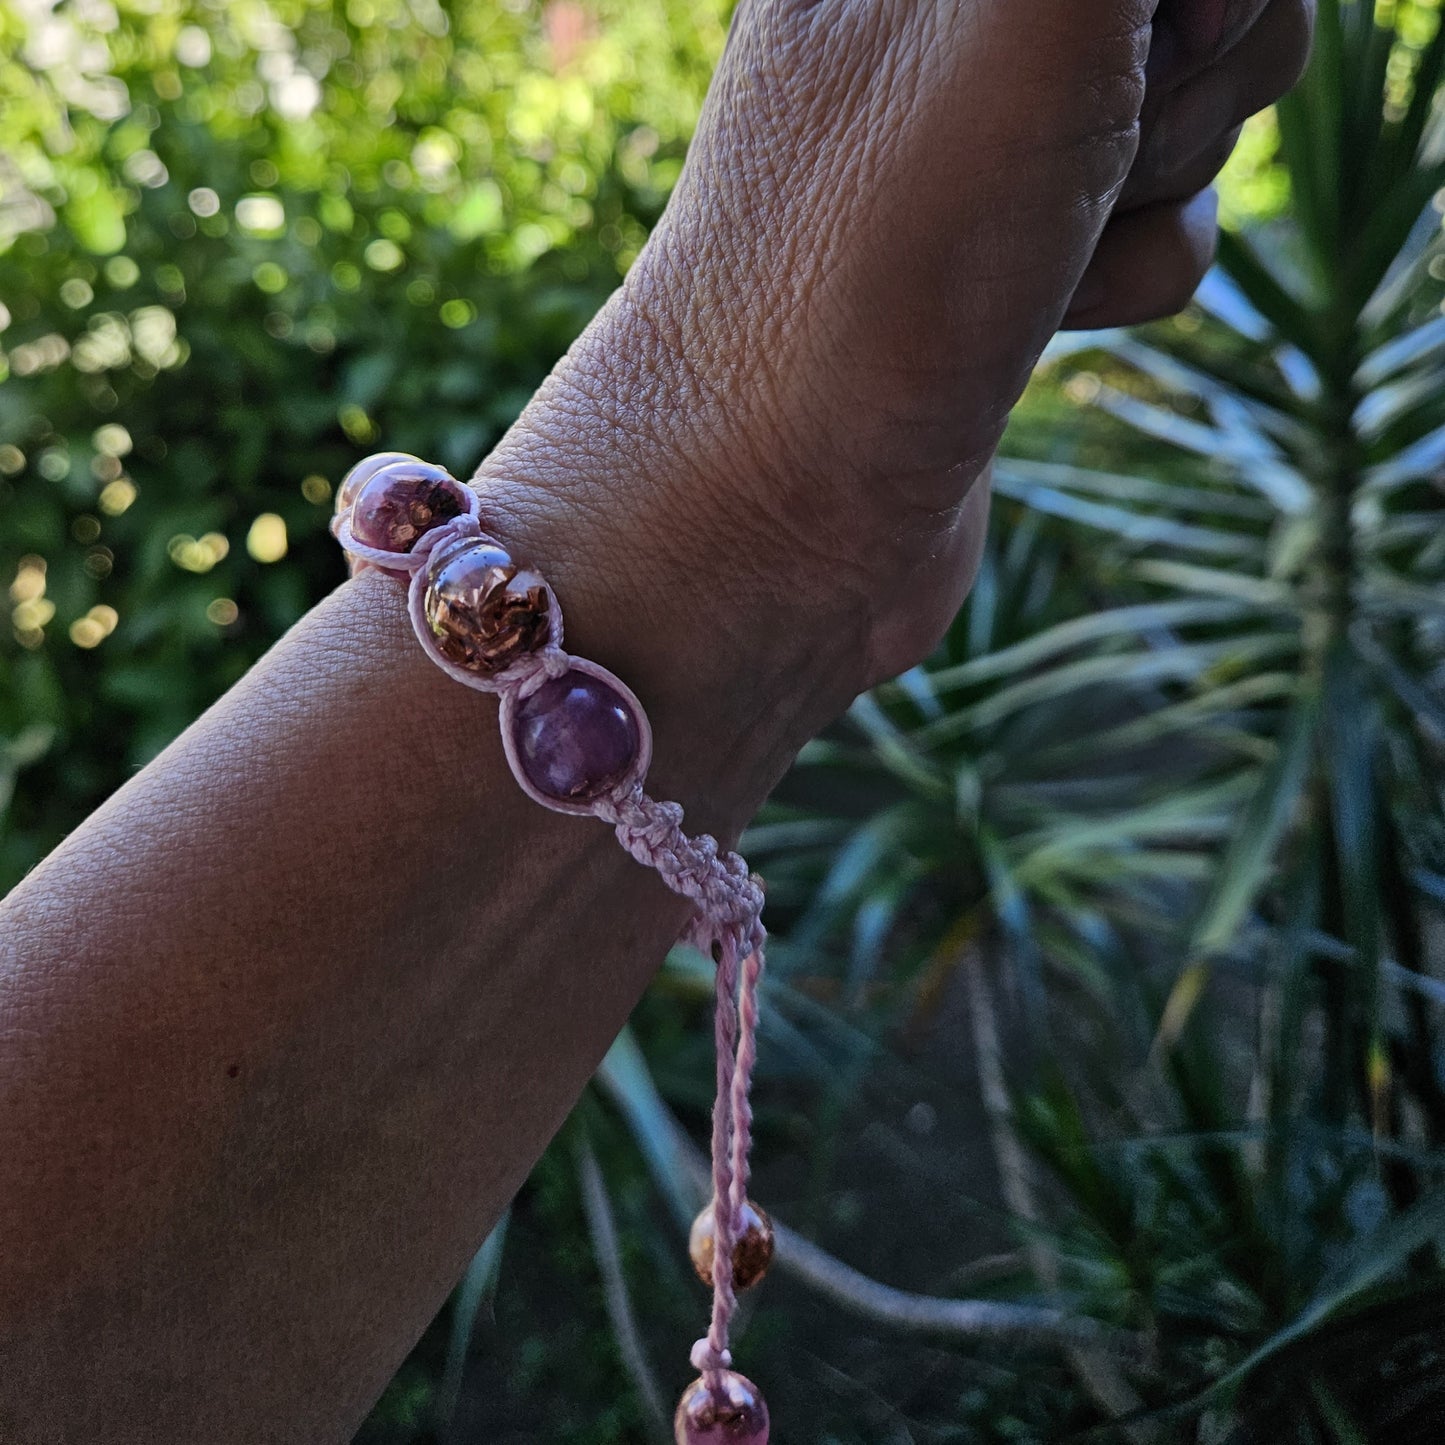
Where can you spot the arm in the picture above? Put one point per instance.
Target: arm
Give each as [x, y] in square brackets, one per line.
[288, 1021]
[285, 1024]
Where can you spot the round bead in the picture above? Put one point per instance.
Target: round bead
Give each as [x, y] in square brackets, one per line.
[752, 1250]
[483, 612]
[575, 738]
[363, 472]
[402, 500]
[729, 1411]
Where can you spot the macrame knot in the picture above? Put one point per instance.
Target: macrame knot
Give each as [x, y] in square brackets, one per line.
[459, 528]
[706, 1358]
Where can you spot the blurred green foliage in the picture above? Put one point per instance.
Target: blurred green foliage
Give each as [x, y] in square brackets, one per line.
[239, 244]
[1158, 831]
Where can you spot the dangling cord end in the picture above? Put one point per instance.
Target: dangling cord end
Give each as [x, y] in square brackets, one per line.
[747, 1053]
[711, 1353]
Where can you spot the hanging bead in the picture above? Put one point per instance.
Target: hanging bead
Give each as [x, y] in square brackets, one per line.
[483, 612]
[727, 1411]
[402, 500]
[752, 1251]
[575, 738]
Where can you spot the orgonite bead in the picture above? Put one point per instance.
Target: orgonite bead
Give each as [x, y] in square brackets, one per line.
[730, 1411]
[482, 611]
[575, 737]
[752, 1251]
[363, 472]
[401, 501]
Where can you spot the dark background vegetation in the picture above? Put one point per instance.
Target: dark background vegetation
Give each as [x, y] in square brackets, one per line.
[1108, 975]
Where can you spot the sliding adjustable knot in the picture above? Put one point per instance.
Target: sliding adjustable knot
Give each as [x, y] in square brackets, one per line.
[578, 741]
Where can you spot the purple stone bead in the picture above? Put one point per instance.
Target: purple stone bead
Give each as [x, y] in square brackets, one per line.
[729, 1412]
[401, 501]
[576, 737]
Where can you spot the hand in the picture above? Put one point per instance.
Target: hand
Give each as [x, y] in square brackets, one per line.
[887, 210]
[1212, 64]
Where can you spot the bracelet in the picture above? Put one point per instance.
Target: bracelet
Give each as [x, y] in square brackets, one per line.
[578, 741]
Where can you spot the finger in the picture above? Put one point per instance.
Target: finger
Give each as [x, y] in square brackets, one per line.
[1193, 175]
[1186, 136]
[1191, 35]
[1147, 264]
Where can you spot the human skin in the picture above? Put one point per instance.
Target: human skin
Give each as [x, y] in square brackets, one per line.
[285, 1024]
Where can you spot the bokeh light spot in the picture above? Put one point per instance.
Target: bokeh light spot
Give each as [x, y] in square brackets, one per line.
[76, 293]
[122, 272]
[384, 255]
[116, 496]
[112, 440]
[266, 541]
[261, 215]
[193, 46]
[457, 313]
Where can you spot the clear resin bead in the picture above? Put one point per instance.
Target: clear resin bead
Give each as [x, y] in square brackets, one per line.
[728, 1411]
[363, 472]
[400, 502]
[752, 1251]
[482, 611]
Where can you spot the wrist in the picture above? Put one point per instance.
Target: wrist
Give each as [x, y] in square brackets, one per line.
[619, 486]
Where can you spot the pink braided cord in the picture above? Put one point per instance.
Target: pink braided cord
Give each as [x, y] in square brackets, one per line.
[726, 927]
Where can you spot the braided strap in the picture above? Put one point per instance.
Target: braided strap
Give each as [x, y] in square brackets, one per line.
[578, 741]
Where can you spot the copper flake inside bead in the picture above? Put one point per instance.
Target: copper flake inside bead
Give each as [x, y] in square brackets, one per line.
[483, 612]
[752, 1251]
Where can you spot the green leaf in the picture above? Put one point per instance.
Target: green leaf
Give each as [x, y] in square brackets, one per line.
[1147, 617]
[1136, 528]
[1350, 734]
[1377, 1258]
[1165, 496]
[1182, 662]
[1404, 140]
[627, 1081]
[477, 1283]
[1249, 861]
[1418, 344]
[1343, 1430]
[1212, 581]
[606, 1249]
[1266, 294]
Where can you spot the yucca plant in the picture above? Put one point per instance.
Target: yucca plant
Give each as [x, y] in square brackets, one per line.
[1179, 767]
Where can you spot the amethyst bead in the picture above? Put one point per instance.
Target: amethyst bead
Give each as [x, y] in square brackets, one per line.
[576, 737]
[730, 1411]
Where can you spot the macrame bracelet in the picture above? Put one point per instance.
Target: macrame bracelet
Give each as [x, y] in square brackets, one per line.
[578, 741]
